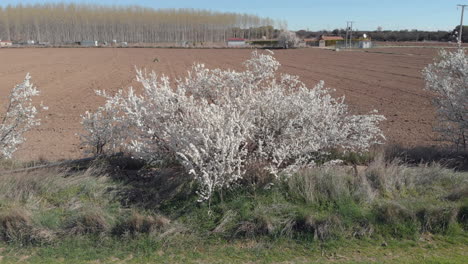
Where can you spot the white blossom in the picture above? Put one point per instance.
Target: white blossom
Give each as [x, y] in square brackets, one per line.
[447, 78]
[216, 122]
[288, 39]
[18, 117]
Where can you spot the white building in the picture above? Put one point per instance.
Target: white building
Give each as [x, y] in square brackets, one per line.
[89, 43]
[365, 44]
[236, 42]
[5, 43]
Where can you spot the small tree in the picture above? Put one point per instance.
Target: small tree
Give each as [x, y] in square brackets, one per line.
[447, 78]
[19, 117]
[216, 123]
[288, 39]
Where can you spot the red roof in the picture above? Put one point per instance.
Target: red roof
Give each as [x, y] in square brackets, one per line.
[5, 41]
[236, 39]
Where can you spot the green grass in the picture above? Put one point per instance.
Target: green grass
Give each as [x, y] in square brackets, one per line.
[438, 249]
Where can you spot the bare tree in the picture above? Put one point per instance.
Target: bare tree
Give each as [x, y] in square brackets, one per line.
[62, 23]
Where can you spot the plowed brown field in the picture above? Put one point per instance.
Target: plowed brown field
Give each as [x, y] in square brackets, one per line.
[386, 79]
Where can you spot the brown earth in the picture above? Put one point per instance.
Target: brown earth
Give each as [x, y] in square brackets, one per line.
[426, 44]
[386, 79]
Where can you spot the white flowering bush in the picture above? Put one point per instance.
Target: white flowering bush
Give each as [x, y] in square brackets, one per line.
[104, 130]
[19, 116]
[447, 78]
[218, 122]
[288, 39]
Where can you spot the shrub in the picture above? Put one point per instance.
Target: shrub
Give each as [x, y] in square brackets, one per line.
[447, 78]
[218, 122]
[102, 131]
[20, 116]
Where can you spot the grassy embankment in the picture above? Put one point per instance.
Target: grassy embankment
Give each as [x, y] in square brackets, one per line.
[384, 212]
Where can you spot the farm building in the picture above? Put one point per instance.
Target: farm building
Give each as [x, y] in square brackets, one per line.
[325, 41]
[89, 43]
[6, 43]
[331, 38]
[311, 41]
[236, 42]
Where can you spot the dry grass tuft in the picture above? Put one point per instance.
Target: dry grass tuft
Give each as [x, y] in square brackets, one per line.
[329, 185]
[328, 228]
[54, 198]
[305, 224]
[247, 229]
[393, 212]
[462, 216]
[225, 222]
[261, 225]
[17, 226]
[386, 177]
[141, 224]
[438, 219]
[460, 193]
[257, 176]
[88, 222]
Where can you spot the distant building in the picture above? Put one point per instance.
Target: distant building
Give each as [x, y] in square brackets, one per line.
[365, 44]
[311, 41]
[331, 38]
[236, 42]
[6, 43]
[325, 41]
[89, 43]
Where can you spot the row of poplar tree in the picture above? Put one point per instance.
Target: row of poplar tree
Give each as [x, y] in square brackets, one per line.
[65, 23]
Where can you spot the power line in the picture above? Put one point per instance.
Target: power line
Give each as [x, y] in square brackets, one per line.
[460, 31]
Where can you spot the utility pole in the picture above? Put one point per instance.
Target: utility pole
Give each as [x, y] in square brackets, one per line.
[460, 31]
[349, 34]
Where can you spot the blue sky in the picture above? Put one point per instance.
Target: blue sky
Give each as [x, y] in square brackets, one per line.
[320, 14]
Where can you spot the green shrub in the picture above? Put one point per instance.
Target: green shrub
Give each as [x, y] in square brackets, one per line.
[438, 219]
[462, 216]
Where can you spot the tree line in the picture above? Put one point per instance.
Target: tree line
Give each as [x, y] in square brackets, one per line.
[64, 23]
[393, 35]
